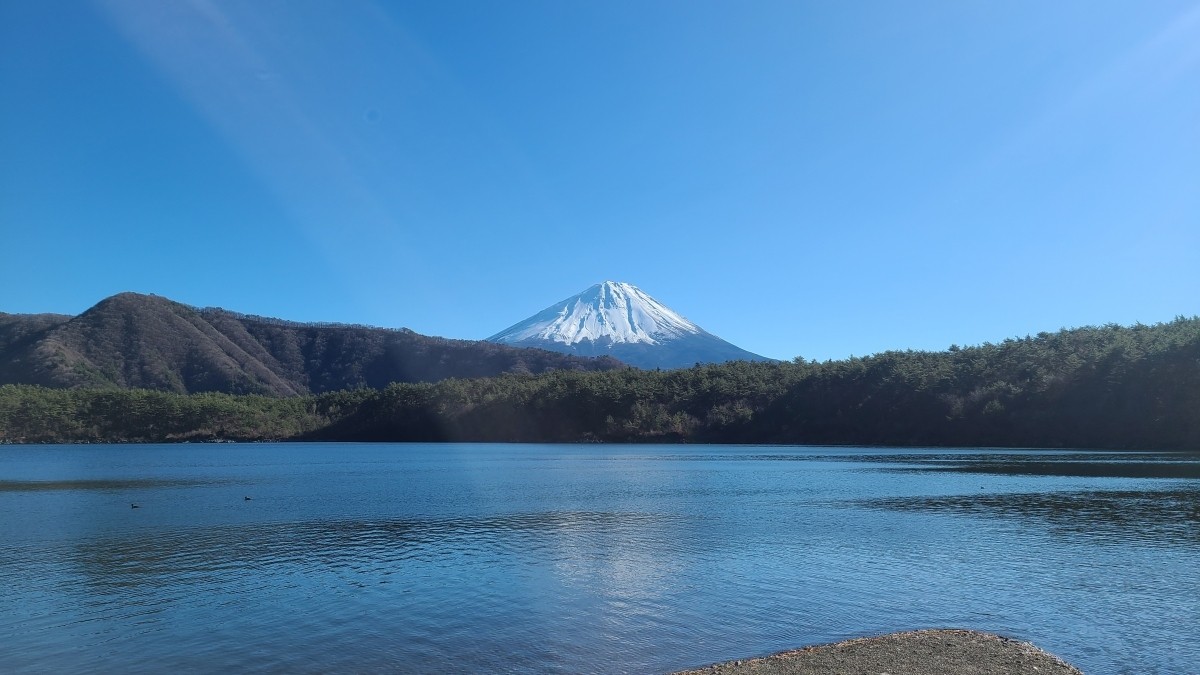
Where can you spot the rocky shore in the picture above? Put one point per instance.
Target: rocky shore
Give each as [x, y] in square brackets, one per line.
[922, 652]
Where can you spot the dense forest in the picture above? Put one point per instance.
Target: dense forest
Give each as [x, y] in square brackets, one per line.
[1105, 387]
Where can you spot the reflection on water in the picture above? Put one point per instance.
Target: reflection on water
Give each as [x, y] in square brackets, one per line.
[1080, 468]
[1035, 463]
[1155, 518]
[118, 485]
[1026, 463]
[433, 558]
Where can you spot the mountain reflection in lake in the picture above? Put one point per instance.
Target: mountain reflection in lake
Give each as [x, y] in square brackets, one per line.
[524, 558]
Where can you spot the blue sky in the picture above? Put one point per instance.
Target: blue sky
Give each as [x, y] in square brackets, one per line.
[800, 178]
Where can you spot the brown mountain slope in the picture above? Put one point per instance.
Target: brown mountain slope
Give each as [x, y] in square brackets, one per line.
[144, 341]
[19, 329]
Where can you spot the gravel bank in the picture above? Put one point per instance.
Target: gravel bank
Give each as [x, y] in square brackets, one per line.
[922, 652]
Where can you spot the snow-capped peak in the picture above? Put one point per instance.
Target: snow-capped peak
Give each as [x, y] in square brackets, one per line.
[612, 311]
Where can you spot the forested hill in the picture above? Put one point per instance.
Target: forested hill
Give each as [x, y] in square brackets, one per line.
[1108, 387]
[150, 342]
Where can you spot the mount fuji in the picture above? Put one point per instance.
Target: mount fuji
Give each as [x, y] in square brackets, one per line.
[620, 320]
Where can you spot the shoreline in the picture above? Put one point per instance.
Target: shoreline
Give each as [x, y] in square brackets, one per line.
[919, 652]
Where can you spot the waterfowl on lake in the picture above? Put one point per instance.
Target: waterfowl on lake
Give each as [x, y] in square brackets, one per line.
[134, 506]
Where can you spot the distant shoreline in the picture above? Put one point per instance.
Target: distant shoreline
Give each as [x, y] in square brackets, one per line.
[356, 441]
[920, 652]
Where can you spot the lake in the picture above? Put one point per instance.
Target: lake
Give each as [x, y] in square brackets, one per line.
[583, 558]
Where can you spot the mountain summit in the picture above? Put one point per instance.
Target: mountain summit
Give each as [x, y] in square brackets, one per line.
[621, 320]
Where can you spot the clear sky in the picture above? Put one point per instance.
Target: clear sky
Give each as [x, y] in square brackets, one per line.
[799, 178]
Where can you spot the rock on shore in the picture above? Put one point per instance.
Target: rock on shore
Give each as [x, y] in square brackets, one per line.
[922, 652]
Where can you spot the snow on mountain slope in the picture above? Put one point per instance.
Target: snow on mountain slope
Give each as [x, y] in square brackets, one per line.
[621, 320]
[618, 312]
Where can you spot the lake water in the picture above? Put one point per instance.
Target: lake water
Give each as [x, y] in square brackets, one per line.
[582, 558]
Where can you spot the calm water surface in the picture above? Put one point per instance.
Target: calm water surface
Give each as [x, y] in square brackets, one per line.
[596, 558]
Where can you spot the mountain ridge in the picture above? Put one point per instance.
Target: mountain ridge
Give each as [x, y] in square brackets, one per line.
[133, 340]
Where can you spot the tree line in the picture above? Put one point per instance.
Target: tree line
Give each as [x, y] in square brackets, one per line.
[1097, 387]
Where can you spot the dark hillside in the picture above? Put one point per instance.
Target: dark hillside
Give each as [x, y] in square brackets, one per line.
[149, 342]
[19, 329]
[1099, 387]
[1107, 387]
[330, 357]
